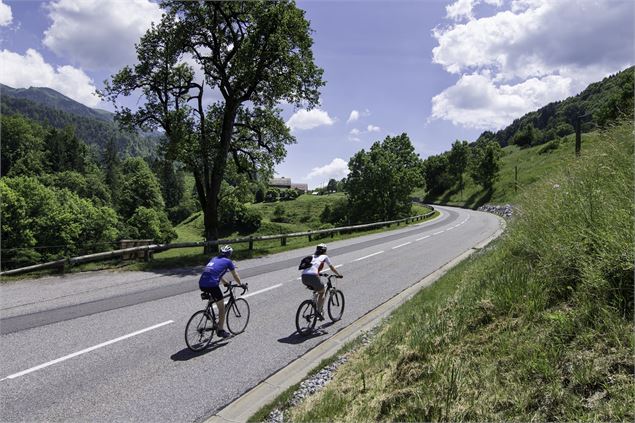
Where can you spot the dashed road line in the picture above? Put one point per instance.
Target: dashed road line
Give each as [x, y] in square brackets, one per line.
[370, 255]
[75, 354]
[401, 245]
[423, 237]
[263, 290]
[437, 233]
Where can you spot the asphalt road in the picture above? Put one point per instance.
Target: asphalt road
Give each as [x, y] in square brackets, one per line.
[109, 346]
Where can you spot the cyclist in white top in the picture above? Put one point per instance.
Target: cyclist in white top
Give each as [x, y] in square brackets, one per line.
[311, 275]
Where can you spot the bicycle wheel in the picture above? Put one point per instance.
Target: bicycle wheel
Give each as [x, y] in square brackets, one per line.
[237, 316]
[335, 306]
[305, 317]
[199, 331]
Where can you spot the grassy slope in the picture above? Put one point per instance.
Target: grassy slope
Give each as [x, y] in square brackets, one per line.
[537, 327]
[533, 163]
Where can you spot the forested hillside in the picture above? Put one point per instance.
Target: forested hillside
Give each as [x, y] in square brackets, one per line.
[471, 174]
[94, 127]
[599, 104]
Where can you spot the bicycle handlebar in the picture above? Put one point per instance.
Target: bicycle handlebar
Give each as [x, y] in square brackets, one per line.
[244, 287]
[331, 276]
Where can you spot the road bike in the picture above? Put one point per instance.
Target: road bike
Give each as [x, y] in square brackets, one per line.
[307, 313]
[202, 325]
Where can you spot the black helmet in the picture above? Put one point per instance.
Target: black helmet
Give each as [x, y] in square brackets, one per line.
[320, 249]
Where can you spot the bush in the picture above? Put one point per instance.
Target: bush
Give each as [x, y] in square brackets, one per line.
[325, 226]
[279, 214]
[272, 195]
[148, 223]
[249, 220]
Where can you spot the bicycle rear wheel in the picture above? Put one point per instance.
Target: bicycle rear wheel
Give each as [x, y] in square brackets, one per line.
[305, 317]
[237, 316]
[335, 306]
[199, 331]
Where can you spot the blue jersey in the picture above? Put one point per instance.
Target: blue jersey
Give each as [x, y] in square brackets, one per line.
[214, 271]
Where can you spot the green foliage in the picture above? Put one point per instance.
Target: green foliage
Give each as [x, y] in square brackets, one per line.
[272, 195]
[437, 174]
[146, 223]
[22, 150]
[139, 188]
[381, 180]
[279, 214]
[65, 152]
[485, 164]
[331, 186]
[37, 216]
[91, 185]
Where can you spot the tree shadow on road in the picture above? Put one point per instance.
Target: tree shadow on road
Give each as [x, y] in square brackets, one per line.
[186, 354]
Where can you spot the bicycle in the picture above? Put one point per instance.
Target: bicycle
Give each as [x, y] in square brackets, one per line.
[202, 325]
[307, 313]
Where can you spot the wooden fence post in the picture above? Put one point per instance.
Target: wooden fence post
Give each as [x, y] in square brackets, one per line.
[283, 241]
[251, 243]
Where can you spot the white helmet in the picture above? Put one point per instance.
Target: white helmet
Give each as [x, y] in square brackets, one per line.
[227, 250]
[320, 249]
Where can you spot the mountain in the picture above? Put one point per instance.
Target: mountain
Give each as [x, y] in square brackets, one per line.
[93, 126]
[601, 103]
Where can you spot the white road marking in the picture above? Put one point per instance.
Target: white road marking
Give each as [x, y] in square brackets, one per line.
[262, 290]
[437, 233]
[339, 265]
[423, 237]
[449, 229]
[401, 245]
[103, 344]
[370, 255]
[456, 226]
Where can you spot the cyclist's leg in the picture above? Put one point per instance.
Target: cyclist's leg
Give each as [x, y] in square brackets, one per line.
[314, 282]
[217, 296]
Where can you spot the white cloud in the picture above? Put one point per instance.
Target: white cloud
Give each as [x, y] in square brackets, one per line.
[353, 135]
[337, 169]
[553, 49]
[31, 70]
[372, 128]
[309, 119]
[98, 34]
[5, 14]
[462, 9]
[356, 114]
[477, 102]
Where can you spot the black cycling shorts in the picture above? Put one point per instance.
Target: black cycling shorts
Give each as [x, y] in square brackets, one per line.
[312, 281]
[215, 292]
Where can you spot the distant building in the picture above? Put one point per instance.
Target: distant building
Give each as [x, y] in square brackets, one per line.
[286, 183]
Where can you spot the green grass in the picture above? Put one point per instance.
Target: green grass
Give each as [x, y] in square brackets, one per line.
[536, 327]
[533, 164]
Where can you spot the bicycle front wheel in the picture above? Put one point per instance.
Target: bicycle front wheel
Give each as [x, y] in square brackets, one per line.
[335, 306]
[305, 317]
[199, 331]
[237, 316]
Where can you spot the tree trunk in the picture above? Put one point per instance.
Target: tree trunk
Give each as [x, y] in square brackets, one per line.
[217, 173]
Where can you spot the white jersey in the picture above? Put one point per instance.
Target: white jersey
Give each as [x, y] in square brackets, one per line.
[317, 265]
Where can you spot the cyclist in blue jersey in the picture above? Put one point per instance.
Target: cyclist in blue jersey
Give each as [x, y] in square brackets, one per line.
[211, 278]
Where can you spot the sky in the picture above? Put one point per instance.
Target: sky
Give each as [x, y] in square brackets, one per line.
[436, 70]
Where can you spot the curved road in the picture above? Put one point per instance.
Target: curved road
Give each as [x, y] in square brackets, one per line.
[108, 346]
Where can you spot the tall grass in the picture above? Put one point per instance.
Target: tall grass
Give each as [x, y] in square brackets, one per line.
[537, 327]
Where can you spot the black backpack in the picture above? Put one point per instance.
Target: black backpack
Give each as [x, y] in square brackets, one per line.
[305, 263]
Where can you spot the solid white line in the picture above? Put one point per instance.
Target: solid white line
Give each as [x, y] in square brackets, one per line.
[401, 245]
[423, 237]
[262, 290]
[437, 233]
[370, 255]
[66, 357]
[456, 226]
[449, 229]
[339, 265]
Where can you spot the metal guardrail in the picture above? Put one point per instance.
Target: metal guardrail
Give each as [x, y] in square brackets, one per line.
[149, 249]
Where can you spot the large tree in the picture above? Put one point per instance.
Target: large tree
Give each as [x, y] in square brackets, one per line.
[381, 180]
[458, 159]
[253, 55]
[485, 164]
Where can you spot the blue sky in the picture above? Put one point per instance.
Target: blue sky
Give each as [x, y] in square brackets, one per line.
[437, 70]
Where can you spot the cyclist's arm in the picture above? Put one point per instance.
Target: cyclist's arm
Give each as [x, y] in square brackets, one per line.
[236, 277]
[335, 270]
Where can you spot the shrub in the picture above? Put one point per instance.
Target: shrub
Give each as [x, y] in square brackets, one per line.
[279, 214]
[148, 223]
